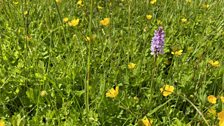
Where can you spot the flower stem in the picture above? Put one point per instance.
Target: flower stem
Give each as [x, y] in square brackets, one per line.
[154, 69]
[199, 112]
[88, 61]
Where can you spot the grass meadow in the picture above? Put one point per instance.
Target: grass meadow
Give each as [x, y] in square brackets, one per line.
[90, 63]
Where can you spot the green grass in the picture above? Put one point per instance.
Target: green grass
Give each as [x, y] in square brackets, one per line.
[50, 74]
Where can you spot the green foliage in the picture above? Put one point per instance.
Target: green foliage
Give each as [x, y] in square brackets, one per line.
[45, 62]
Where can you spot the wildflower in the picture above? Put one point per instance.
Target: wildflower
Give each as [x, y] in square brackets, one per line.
[80, 3]
[222, 99]
[157, 44]
[214, 63]
[167, 90]
[105, 21]
[58, 1]
[183, 20]
[152, 1]
[25, 13]
[74, 22]
[43, 93]
[221, 123]
[113, 92]
[149, 16]
[177, 53]
[131, 66]
[145, 121]
[221, 118]
[65, 20]
[212, 99]
[2, 123]
[221, 115]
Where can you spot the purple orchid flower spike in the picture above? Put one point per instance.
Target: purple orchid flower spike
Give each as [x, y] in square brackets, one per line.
[157, 44]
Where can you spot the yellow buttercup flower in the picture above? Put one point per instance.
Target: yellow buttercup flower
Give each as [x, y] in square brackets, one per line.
[74, 22]
[212, 99]
[2, 123]
[105, 21]
[221, 123]
[222, 99]
[145, 121]
[113, 92]
[167, 90]
[214, 63]
[65, 20]
[80, 3]
[221, 115]
[183, 20]
[149, 16]
[177, 53]
[131, 66]
[153, 1]
[221, 118]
